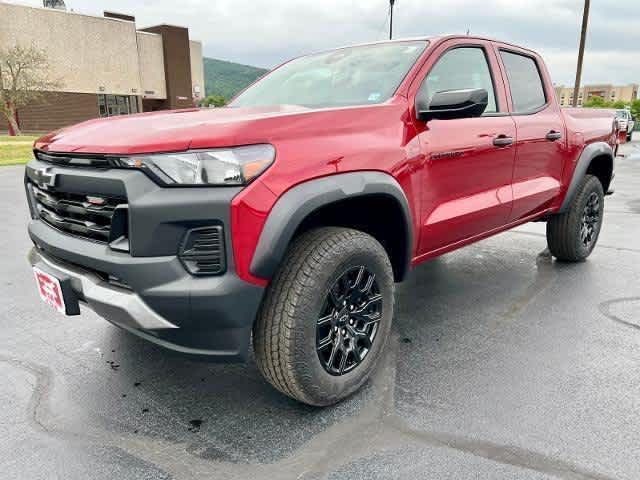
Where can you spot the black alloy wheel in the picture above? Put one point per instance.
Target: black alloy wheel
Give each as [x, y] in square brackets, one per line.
[348, 321]
[572, 235]
[590, 220]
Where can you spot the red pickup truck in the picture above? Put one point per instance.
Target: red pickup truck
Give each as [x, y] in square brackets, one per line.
[288, 216]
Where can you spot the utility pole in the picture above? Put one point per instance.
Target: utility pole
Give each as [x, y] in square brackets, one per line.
[583, 38]
[392, 3]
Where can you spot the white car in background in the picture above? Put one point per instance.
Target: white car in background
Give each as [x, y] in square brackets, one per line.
[626, 122]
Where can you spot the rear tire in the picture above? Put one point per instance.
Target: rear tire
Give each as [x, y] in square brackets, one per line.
[314, 312]
[572, 235]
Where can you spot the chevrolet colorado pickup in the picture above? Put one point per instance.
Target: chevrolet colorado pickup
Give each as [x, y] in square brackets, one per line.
[285, 219]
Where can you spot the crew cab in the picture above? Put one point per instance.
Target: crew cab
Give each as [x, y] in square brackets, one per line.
[285, 219]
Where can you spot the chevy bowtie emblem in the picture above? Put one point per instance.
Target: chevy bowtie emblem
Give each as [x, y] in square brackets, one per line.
[44, 177]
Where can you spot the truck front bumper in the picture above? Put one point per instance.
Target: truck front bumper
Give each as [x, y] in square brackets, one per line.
[212, 320]
[120, 305]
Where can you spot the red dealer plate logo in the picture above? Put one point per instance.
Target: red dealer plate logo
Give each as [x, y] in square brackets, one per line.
[49, 290]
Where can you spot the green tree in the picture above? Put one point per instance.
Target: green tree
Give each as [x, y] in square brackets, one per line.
[619, 104]
[596, 102]
[599, 102]
[215, 100]
[24, 77]
[635, 111]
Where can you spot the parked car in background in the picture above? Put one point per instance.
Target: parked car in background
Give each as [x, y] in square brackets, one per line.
[626, 122]
[288, 216]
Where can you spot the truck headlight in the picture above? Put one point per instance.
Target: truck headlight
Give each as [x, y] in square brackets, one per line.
[220, 166]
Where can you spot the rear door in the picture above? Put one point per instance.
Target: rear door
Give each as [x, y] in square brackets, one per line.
[541, 144]
[466, 175]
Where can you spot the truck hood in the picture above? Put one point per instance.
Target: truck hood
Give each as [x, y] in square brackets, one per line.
[179, 130]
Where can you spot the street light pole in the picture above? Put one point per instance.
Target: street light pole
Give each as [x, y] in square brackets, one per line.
[583, 38]
[392, 3]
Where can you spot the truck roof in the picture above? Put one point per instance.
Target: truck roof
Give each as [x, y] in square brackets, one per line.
[434, 38]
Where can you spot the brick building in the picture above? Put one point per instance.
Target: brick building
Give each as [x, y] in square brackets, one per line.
[611, 93]
[105, 65]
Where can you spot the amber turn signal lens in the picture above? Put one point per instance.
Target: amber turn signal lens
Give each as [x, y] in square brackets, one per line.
[253, 169]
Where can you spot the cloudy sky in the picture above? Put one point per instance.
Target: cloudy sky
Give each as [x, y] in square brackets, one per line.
[266, 32]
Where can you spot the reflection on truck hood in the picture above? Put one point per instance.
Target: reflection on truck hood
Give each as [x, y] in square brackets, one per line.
[173, 130]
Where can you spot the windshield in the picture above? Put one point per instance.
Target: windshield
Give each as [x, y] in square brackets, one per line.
[363, 75]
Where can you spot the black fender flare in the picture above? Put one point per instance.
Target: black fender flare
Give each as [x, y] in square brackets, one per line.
[590, 152]
[302, 200]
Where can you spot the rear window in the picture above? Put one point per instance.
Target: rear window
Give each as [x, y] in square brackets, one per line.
[527, 91]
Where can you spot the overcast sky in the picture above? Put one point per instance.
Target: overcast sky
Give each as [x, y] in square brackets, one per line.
[266, 32]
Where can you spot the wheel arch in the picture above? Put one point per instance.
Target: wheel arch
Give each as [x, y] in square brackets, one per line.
[596, 159]
[334, 201]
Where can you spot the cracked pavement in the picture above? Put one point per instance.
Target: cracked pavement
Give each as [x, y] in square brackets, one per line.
[503, 364]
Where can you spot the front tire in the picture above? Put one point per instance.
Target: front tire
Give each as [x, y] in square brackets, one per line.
[326, 316]
[572, 235]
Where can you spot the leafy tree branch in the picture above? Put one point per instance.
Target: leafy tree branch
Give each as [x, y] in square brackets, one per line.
[24, 78]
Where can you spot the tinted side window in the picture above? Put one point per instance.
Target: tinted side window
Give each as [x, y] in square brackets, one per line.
[459, 69]
[527, 91]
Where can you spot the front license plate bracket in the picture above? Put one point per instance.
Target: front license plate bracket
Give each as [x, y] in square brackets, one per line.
[69, 304]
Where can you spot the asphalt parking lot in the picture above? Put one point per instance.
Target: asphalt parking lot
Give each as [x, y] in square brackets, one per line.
[503, 365]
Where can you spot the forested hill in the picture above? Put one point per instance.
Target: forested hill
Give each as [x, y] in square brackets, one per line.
[228, 78]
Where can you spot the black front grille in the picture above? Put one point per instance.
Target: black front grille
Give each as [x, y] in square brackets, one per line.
[87, 216]
[96, 161]
[202, 251]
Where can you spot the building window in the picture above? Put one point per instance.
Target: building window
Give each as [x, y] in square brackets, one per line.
[122, 102]
[133, 104]
[102, 106]
[110, 105]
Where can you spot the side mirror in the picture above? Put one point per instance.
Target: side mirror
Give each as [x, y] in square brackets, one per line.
[452, 104]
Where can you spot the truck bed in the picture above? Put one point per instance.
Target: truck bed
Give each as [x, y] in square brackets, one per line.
[593, 123]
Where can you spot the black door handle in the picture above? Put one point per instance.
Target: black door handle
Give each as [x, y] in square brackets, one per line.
[502, 141]
[552, 136]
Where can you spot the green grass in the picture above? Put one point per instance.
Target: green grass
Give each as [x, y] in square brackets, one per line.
[15, 150]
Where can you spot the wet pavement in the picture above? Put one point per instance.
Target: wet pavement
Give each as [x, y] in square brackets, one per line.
[503, 365]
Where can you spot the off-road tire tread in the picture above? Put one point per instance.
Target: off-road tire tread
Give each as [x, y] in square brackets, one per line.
[562, 231]
[274, 336]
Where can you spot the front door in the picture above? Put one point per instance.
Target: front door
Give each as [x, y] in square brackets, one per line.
[466, 187]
